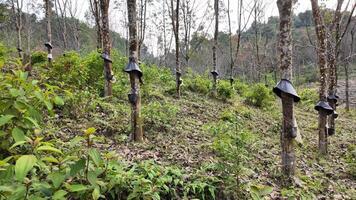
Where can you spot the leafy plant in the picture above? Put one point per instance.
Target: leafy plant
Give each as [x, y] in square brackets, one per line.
[38, 58]
[225, 90]
[259, 96]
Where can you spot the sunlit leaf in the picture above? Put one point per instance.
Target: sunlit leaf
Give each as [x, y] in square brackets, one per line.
[23, 165]
[49, 148]
[60, 195]
[18, 134]
[5, 119]
[58, 101]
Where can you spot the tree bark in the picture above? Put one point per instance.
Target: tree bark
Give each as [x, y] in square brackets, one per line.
[104, 6]
[346, 67]
[175, 26]
[322, 62]
[285, 51]
[230, 44]
[136, 121]
[95, 9]
[17, 11]
[143, 13]
[49, 30]
[216, 34]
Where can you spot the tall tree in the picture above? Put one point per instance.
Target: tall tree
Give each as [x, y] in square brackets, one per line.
[175, 25]
[323, 106]
[17, 12]
[135, 73]
[214, 72]
[48, 44]
[73, 8]
[109, 76]
[95, 9]
[230, 44]
[285, 89]
[142, 32]
[334, 38]
[61, 7]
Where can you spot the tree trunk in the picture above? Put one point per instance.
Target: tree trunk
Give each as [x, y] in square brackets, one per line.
[347, 98]
[104, 5]
[175, 26]
[285, 51]
[322, 54]
[49, 30]
[143, 13]
[136, 122]
[95, 9]
[17, 11]
[216, 10]
[230, 44]
[346, 67]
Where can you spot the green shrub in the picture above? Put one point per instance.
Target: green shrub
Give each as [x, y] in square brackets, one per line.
[68, 69]
[38, 57]
[224, 90]
[2, 55]
[198, 83]
[351, 160]
[308, 96]
[160, 114]
[259, 96]
[22, 106]
[231, 144]
[240, 87]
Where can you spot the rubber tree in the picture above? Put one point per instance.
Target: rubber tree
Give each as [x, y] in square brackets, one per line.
[284, 89]
[175, 26]
[214, 72]
[95, 9]
[334, 38]
[48, 44]
[322, 106]
[135, 73]
[108, 73]
[17, 12]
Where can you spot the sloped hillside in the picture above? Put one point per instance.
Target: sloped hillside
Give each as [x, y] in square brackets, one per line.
[196, 147]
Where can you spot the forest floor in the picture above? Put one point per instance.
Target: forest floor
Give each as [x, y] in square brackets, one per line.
[186, 141]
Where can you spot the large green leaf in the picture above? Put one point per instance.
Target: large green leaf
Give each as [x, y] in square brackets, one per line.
[95, 156]
[5, 119]
[48, 104]
[58, 101]
[18, 144]
[18, 134]
[77, 167]
[59, 195]
[23, 165]
[96, 193]
[57, 178]
[15, 92]
[49, 148]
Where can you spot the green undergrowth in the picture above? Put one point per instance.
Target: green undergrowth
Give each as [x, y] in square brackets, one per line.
[60, 139]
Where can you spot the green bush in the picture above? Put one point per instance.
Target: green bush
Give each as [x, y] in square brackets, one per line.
[225, 90]
[38, 57]
[259, 96]
[2, 55]
[22, 106]
[160, 114]
[308, 96]
[351, 160]
[69, 69]
[240, 87]
[198, 83]
[231, 144]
